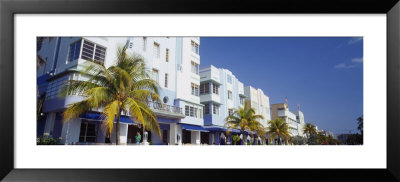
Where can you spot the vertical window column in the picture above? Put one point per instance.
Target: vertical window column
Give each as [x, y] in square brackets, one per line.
[166, 80]
[166, 55]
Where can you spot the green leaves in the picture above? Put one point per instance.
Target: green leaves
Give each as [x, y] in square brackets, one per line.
[245, 119]
[310, 129]
[278, 127]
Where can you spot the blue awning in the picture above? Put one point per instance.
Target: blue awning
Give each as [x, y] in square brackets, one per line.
[220, 129]
[193, 127]
[97, 116]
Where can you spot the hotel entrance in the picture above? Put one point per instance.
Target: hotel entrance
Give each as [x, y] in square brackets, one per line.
[132, 130]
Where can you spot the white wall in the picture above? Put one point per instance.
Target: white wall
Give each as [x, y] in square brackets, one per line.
[175, 130]
[185, 76]
[260, 102]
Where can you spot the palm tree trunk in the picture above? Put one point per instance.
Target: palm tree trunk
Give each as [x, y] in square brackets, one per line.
[117, 133]
[279, 140]
[243, 139]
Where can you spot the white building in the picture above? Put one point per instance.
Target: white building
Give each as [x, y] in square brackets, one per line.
[260, 102]
[295, 119]
[172, 61]
[220, 92]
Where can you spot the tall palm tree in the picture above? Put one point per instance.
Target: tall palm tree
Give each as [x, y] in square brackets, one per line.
[310, 129]
[361, 124]
[278, 128]
[125, 86]
[244, 118]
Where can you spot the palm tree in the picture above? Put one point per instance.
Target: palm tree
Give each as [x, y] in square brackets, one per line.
[310, 129]
[125, 86]
[244, 118]
[278, 128]
[361, 124]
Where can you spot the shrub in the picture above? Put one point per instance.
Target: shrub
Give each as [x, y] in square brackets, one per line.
[299, 140]
[46, 141]
[235, 139]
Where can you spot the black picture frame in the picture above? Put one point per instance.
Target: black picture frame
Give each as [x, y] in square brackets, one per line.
[9, 8]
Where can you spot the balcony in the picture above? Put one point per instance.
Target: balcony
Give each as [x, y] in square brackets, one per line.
[286, 113]
[210, 97]
[165, 110]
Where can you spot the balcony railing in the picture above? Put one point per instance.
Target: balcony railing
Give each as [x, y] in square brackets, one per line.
[165, 107]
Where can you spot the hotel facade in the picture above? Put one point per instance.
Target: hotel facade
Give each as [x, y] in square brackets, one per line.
[172, 61]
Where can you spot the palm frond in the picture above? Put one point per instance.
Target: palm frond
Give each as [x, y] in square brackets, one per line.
[109, 113]
[74, 110]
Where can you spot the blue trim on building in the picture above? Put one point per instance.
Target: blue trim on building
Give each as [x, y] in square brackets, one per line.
[42, 79]
[164, 126]
[220, 129]
[165, 120]
[193, 127]
[97, 116]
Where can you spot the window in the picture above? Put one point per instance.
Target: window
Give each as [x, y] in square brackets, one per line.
[165, 136]
[74, 50]
[155, 75]
[229, 78]
[195, 47]
[195, 89]
[206, 108]
[156, 50]
[92, 51]
[166, 80]
[129, 44]
[229, 95]
[215, 109]
[230, 111]
[195, 68]
[191, 111]
[144, 43]
[241, 100]
[88, 132]
[166, 55]
[187, 110]
[205, 88]
[215, 88]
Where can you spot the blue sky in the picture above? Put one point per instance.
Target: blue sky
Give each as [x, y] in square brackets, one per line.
[322, 74]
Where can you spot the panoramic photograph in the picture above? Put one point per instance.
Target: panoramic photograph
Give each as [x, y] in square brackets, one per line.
[199, 91]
